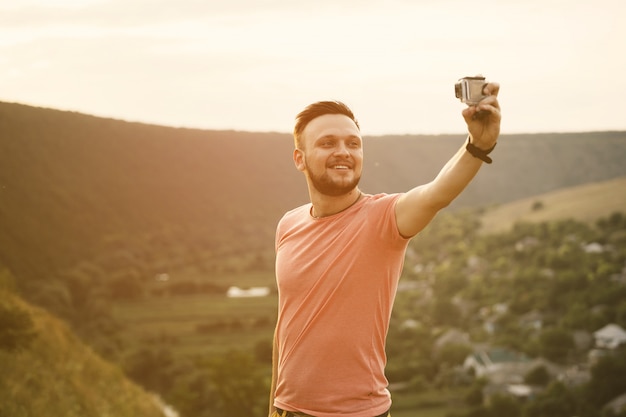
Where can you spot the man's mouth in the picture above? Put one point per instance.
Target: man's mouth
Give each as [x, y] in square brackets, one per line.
[340, 167]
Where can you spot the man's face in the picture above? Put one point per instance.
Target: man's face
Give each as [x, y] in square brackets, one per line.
[332, 158]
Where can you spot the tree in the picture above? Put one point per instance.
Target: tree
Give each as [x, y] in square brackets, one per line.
[453, 354]
[194, 394]
[17, 329]
[474, 396]
[538, 205]
[607, 378]
[555, 344]
[616, 221]
[125, 287]
[263, 351]
[504, 405]
[151, 368]
[620, 314]
[239, 384]
[539, 375]
[556, 401]
[7, 280]
[445, 313]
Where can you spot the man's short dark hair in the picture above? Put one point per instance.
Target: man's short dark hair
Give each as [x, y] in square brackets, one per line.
[318, 109]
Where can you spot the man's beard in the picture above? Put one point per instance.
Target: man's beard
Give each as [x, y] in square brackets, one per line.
[325, 185]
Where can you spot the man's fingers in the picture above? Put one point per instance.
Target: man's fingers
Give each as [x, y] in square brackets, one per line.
[491, 89]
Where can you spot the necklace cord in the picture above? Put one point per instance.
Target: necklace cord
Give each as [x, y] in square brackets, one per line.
[358, 197]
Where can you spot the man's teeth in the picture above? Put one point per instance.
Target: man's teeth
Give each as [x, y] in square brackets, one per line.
[341, 167]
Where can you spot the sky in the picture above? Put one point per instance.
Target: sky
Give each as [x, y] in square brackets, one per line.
[253, 65]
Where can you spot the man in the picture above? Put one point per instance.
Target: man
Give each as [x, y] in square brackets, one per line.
[339, 258]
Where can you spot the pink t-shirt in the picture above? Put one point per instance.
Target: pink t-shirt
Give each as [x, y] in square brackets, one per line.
[337, 278]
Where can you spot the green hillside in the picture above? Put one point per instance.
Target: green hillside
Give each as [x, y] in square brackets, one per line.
[52, 373]
[586, 203]
[73, 185]
[93, 207]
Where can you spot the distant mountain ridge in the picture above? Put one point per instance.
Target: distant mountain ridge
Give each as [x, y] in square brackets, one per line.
[70, 180]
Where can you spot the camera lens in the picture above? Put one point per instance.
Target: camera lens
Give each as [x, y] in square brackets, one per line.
[457, 90]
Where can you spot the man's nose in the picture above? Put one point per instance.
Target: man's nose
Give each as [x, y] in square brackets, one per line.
[342, 150]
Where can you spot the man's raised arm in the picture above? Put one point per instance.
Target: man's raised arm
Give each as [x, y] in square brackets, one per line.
[417, 207]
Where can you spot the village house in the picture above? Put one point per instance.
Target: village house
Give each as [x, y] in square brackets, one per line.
[489, 362]
[610, 336]
[504, 366]
[575, 376]
[452, 337]
[617, 405]
[236, 292]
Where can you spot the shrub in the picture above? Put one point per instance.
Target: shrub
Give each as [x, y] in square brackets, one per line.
[539, 375]
[17, 329]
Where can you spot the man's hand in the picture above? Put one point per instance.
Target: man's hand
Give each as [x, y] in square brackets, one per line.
[483, 120]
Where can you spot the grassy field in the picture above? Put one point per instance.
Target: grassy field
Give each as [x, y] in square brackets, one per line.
[172, 321]
[584, 203]
[199, 324]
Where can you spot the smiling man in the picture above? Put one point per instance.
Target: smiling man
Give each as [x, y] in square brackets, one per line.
[339, 259]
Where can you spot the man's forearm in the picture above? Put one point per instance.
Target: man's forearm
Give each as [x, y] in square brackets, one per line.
[454, 177]
[417, 207]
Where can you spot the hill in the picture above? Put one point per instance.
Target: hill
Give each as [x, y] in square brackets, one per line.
[57, 375]
[585, 203]
[119, 199]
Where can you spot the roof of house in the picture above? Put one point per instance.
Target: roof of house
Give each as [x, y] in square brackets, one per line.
[612, 331]
[452, 336]
[617, 404]
[499, 355]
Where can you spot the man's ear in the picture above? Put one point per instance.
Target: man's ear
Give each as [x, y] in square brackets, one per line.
[298, 159]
